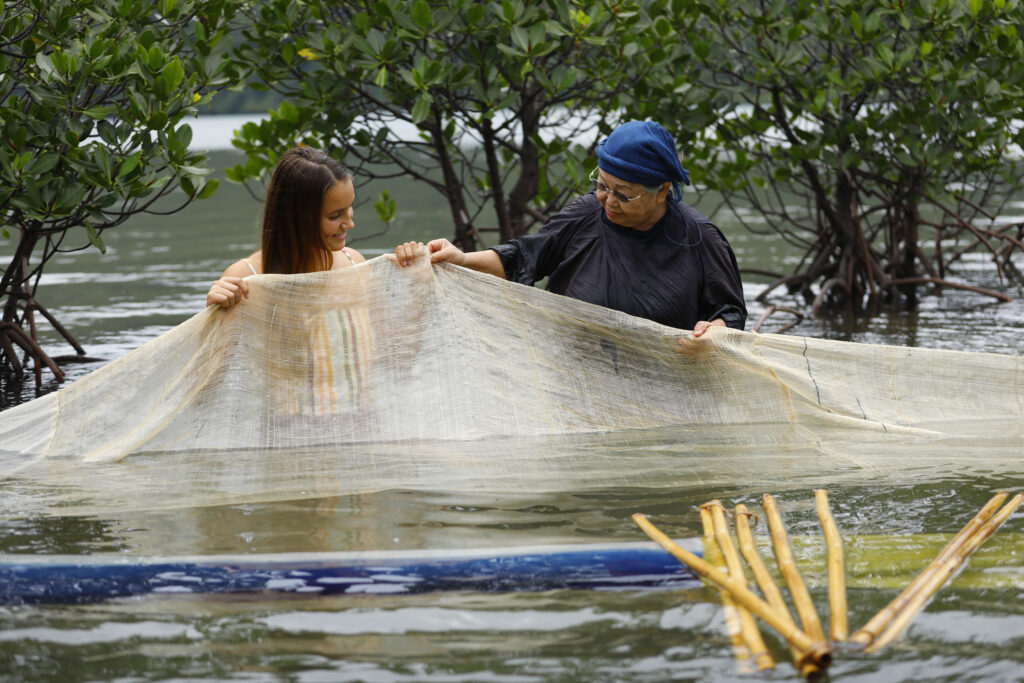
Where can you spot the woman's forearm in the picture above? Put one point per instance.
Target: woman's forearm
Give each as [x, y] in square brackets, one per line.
[486, 261]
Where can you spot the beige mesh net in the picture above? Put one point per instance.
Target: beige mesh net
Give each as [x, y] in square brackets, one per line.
[378, 377]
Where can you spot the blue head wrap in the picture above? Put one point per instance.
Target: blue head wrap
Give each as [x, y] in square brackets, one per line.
[643, 152]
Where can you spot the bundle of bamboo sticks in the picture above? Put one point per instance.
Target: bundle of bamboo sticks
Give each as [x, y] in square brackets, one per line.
[808, 644]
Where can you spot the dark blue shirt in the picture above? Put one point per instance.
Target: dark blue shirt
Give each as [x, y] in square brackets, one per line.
[680, 271]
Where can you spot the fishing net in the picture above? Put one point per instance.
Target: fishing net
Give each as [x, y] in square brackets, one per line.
[378, 377]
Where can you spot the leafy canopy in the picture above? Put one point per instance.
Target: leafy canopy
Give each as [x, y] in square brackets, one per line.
[504, 100]
[857, 128]
[93, 94]
[92, 100]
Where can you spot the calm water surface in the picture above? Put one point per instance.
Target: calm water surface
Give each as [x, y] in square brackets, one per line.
[155, 275]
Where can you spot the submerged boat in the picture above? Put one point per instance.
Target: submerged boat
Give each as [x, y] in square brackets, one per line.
[69, 578]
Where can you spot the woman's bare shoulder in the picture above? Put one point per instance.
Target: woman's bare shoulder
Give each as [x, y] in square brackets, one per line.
[246, 266]
[354, 255]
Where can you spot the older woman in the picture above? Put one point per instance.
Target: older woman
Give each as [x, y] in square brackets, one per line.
[627, 245]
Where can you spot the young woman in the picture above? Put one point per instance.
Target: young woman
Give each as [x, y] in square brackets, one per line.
[306, 216]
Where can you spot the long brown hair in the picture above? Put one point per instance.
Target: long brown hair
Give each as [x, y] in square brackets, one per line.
[291, 241]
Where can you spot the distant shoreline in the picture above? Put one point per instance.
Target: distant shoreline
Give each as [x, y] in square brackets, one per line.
[213, 132]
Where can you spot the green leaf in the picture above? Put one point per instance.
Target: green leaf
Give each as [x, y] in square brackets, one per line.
[107, 132]
[71, 197]
[129, 165]
[138, 103]
[511, 10]
[976, 6]
[288, 111]
[173, 73]
[381, 79]
[183, 135]
[44, 163]
[856, 25]
[158, 121]
[196, 170]
[45, 64]
[421, 109]
[886, 54]
[475, 14]
[520, 38]
[555, 29]
[155, 58]
[288, 53]
[385, 207]
[421, 14]
[100, 112]
[94, 238]
[60, 61]
[511, 52]
[103, 159]
[208, 189]
[17, 163]
[363, 137]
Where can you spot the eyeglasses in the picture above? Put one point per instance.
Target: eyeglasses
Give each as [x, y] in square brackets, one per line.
[603, 189]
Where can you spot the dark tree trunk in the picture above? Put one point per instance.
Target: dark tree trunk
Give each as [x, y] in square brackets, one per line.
[19, 341]
[906, 266]
[527, 186]
[465, 233]
[501, 208]
[19, 304]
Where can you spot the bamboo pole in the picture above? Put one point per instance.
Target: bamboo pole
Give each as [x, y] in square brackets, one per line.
[733, 623]
[867, 633]
[810, 649]
[761, 574]
[928, 588]
[787, 566]
[838, 622]
[751, 634]
[765, 582]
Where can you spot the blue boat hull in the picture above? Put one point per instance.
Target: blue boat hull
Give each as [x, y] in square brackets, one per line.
[70, 579]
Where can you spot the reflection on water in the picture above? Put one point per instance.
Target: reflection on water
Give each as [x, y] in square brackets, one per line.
[894, 513]
[676, 458]
[891, 531]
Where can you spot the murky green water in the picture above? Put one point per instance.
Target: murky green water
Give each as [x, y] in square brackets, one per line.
[155, 275]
